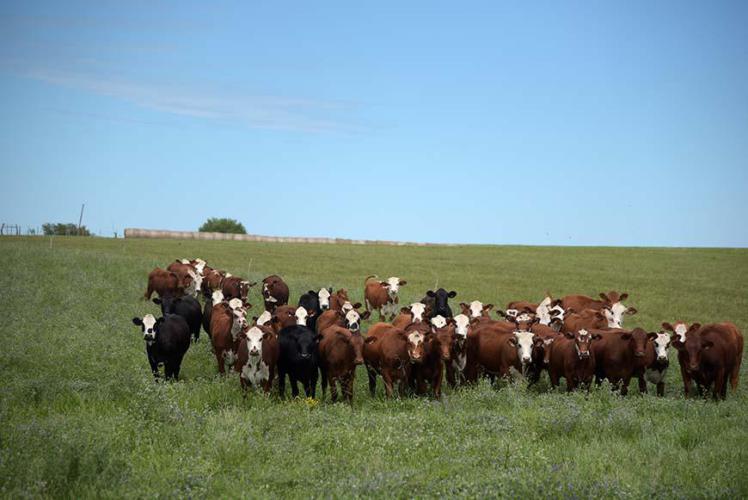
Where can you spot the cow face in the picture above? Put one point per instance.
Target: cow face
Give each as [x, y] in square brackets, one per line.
[302, 315]
[524, 341]
[582, 341]
[283, 317]
[695, 346]
[679, 330]
[195, 285]
[416, 346]
[306, 343]
[441, 300]
[476, 309]
[324, 298]
[416, 310]
[462, 323]
[442, 339]
[353, 319]
[661, 342]
[255, 336]
[614, 314]
[393, 285]
[149, 326]
[357, 341]
[235, 304]
[638, 341]
[216, 297]
[263, 318]
[439, 321]
[239, 321]
[547, 349]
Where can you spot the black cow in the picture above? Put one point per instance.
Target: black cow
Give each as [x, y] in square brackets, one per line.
[437, 302]
[166, 339]
[186, 307]
[299, 358]
[310, 302]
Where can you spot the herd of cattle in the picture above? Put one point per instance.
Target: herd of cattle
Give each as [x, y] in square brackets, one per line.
[575, 337]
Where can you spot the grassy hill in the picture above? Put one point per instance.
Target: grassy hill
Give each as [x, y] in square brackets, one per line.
[80, 414]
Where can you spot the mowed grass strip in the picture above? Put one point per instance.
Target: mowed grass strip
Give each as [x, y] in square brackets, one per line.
[81, 416]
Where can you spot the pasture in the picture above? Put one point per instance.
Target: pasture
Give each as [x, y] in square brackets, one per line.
[80, 414]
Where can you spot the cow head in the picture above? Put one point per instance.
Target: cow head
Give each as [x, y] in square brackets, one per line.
[679, 330]
[306, 343]
[353, 318]
[168, 303]
[462, 325]
[442, 339]
[661, 342]
[283, 317]
[416, 349]
[244, 287]
[582, 341]
[255, 336]
[441, 300]
[302, 315]
[263, 318]
[638, 339]
[614, 309]
[476, 309]
[393, 285]
[357, 343]
[239, 320]
[417, 311]
[438, 321]
[548, 309]
[694, 346]
[149, 325]
[324, 298]
[216, 297]
[524, 340]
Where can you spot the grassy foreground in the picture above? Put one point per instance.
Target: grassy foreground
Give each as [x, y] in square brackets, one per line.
[80, 415]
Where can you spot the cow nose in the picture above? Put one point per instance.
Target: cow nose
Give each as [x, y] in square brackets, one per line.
[305, 356]
[325, 307]
[358, 361]
[584, 355]
[639, 354]
[662, 358]
[354, 326]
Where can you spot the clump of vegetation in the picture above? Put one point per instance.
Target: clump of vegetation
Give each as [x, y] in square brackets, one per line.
[69, 229]
[222, 225]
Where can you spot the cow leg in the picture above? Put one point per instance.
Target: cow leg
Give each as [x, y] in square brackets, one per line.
[437, 385]
[243, 383]
[642, 384]
[294, 386]
[553, 376]
[451, 375]
[324, 381]
[281, 383]
[333, 390]
[220, 360]
[625, 385]
[347, 388]
[387, 377]
[313, 385]
[660, 388]
[720, 384]
[372, 380]
[686, 382]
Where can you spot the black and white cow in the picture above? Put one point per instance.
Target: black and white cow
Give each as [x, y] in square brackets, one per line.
[166, 339]
[311, 305]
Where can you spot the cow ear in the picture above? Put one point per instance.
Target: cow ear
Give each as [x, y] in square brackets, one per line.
[357, 305]
[706, 344]
[568, 335]
[694, 327]
[365, 315]
[404, 310]
[501, 314]
[626, 336]
[652, 335]
[512, 340]
[369, 340]
[403, 282]
[631, 310]
[596, 336]
[430, 293]
[312, 292]
[137, 321]
[667, 326]
[452, 294]
[623, 297]
[604, 297]
[488, 307]
[463, 305]
[317, 338]
[384, 284]
[157, 301]
[600, 315]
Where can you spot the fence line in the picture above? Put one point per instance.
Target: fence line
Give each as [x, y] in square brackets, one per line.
[195, 235]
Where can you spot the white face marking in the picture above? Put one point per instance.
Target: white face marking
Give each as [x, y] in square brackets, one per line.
[324, 298]
[417, 309]
[254, 341]
[347, 306]
[228, 275]
[415, 338]
[439, 321]
[264, 318]
[476, 309]
[614, 315]
[680, 331]
[200, 267]
[217, 297]
[661, 342]
[394, 286]
[462, 323]
[194, 284]
[559, 312]
[184, 261]
[239, 322]
[301, 316]
[583, 337]
[543, 313]
[512, 313]
[353, 320]
[235, 304]
[149, 321]
[524, 317]
[524, 346]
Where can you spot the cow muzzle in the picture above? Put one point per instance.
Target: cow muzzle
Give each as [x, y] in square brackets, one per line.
[584, 354]
[639, 354]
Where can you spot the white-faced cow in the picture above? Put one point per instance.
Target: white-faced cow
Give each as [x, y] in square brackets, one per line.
[382, 295]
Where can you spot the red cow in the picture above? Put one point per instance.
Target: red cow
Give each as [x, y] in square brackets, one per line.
[166, 283]
[611, 304]
[436, 351]
[620, 355]
[340, 352]
[382, 295]
[274, 292]
[234, 287]
[226, 325]
[587, 319]
[390, 352]
[339, 298]
[680, 331]
[257, 358]
[570, 356]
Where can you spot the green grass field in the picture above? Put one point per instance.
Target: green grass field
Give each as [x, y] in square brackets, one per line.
[80, 414]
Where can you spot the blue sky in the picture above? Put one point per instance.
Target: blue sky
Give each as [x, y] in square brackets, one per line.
[544, 123]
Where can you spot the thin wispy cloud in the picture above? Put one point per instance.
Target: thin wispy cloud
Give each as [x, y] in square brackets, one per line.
[256, 111]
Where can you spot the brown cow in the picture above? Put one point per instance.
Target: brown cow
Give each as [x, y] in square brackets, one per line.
[233, 287]
[382, 295]
[620, 355]
[460, 327]
[680, 331]
[166, 283]
[437, 352]
[571, 356]
[340, 352]
[611, 304]
[714, 355]
[282, 317]
[657, 361]
[587, 319]
[350, 319]
[274, 292]
[497, 349]
[212, 281]
[257, 357]
[390, 352]
[226, 325]
[338, 298]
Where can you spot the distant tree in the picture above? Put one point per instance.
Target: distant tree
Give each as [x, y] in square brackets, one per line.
[58, 229]
[223, 225]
